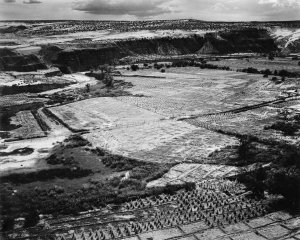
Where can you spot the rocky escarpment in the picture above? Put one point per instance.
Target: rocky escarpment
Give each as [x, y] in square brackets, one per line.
[287, 39]
[84, 59]
[245, 40]
[12, 29]
[12, 61]
[34, 88]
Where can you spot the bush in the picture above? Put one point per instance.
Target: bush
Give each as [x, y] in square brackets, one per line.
[288, 128]
[266, 72]
[134, 67]
[158, 66]
[31, 219]
[8, 224]
[286, 182]
[250, 70]
[163, 70]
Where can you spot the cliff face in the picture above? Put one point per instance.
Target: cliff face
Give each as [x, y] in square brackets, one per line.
[246, 40]
[12, 61]
[84, 59]
[163, 46]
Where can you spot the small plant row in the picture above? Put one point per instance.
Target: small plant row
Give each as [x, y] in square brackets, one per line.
[174, 218]
[213, 207]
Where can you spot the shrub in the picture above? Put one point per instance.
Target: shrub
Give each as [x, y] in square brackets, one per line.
[286, 182]
[288, 128]
[8, 223]
[31, 219]
[266, 72]
[271, 56]
[250, 70]
[134, 67]
[163, 70]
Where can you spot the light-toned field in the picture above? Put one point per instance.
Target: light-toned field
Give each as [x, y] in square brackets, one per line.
[190, 90]
[146, 126]
[165, 141]
[104, 112]
[132, 131]
[29, 128]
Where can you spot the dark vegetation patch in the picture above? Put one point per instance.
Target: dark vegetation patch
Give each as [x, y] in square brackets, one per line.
[20, 151]
[282, 175]
[280, 73]
[287, 122]
[276, 166]
[277, 170]
[5, 123]
[201, 63]
[83, 178]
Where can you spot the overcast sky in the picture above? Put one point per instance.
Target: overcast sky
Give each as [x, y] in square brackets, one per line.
[211, 10]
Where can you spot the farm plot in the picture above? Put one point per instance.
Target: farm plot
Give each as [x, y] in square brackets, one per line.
[102, 113]
[20, 100]
[214, 203]
[194, 146]
[131, 139]
[165, 141]
[189, 91]
[251, 123]
[187, 172]
[29, 128]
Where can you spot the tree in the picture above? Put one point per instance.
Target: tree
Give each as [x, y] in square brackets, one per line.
[271, 56]
[134, 67]
[31, 219]
[106, 72]
[243, 150]
[87, 86]
[108, 80]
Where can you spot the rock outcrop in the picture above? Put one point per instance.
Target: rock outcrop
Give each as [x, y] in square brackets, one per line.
[12, 61]
[236, 41]
[12, 29]
[244, 40]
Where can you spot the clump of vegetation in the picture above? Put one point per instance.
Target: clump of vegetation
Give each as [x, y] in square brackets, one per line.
[281, 177]
[158, 66]
[104, 74]
[288, 122]
[134, 67]
[288, 128]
